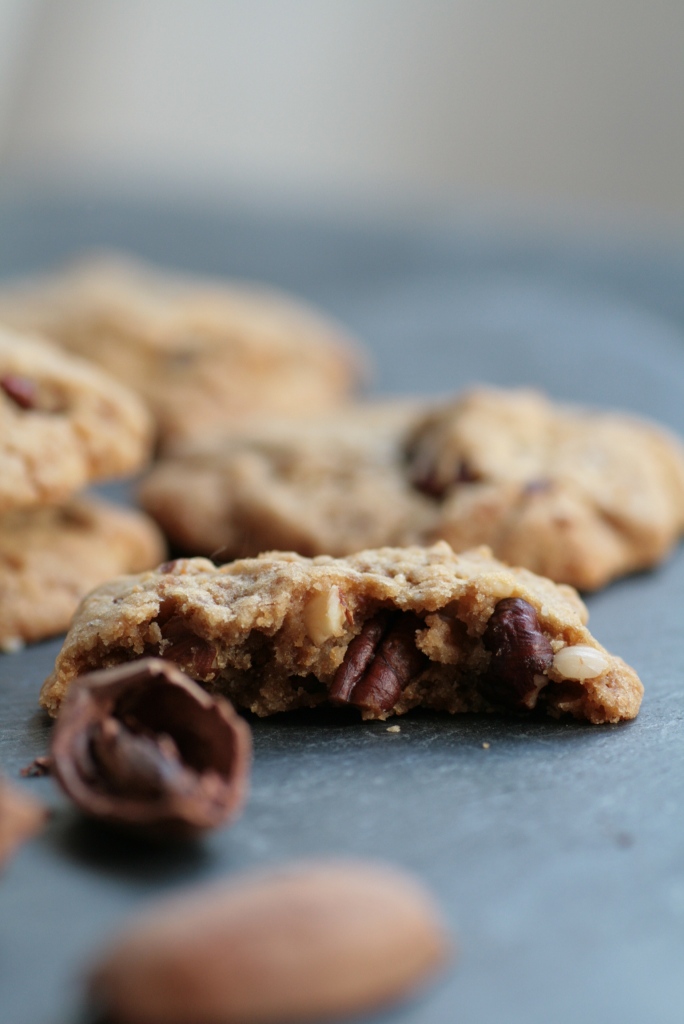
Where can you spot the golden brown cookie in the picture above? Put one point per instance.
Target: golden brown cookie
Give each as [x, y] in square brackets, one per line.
[332, 486]
[63, 423]
[383, 631]
[576, 495]
[51, 557]
[204, 354]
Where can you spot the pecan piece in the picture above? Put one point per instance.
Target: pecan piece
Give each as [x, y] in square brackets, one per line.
[22, 390]
[427, 476]
[521, 655]
[141, 745]
[380, 662]
[189, 651]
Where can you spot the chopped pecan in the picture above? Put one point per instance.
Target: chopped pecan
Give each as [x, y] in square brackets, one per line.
[428, 476]
[141, 745]
[189, 651]
[380, 662]
[521, 655]
[22, 390]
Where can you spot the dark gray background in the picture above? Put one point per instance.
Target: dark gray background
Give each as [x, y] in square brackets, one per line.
[557, 854]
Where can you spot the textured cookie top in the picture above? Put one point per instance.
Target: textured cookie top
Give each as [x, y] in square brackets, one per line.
[275, 632]
[576, 495]
[51, 556]
[63, 423]
[331, 486]
[579, 495]
[203, 353]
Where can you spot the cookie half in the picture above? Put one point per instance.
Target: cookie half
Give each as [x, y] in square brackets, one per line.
[50, 557]
[580, 496]
[383, 631]
[63, 423]
[204, 354]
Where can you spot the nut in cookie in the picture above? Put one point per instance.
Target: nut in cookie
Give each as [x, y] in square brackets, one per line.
[382, 631]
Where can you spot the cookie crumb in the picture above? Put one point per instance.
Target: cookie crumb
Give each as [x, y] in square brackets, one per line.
[393, 728]
[39, 766]
[486, 746]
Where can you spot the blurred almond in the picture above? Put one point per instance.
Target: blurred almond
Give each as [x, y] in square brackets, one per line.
[310, 941]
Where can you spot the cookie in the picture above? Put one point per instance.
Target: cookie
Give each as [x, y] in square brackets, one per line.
[577, 495]
[63, 423]
[334, 486]
[203, 353]
[580, 496]
[382, 631]
[50, 557]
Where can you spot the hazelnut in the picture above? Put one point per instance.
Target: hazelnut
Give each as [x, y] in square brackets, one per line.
[521, 655]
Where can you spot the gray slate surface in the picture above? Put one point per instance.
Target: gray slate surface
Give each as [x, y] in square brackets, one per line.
[558, 853]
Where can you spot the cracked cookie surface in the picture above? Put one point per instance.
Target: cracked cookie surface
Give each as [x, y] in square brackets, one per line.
[580, 496]
[383, 631]
[202, 353]
[63, 423]
[50, 557]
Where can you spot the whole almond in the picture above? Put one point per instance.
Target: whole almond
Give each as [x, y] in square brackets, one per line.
[310, 941]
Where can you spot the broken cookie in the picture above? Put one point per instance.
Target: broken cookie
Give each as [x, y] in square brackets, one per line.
[577, 495]
[382, 631]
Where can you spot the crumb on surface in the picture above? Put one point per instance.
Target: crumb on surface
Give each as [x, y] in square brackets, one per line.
[394, 728]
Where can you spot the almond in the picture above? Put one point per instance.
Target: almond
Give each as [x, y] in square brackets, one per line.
[306, 942]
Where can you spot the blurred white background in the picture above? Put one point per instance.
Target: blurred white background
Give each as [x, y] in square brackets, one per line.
[418, 100]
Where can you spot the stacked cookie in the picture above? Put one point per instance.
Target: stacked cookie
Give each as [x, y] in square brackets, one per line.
[63, 424]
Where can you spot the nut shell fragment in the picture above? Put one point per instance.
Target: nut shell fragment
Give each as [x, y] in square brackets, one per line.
[304, 943]
[142, 745]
